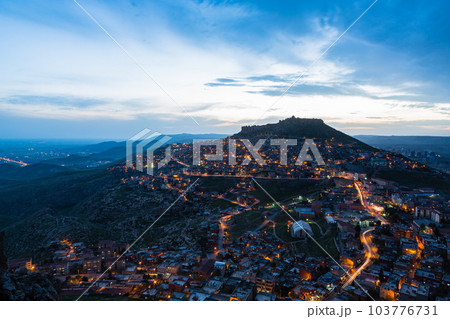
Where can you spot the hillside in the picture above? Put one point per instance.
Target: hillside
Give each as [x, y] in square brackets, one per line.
[21, 199]
[14, 172]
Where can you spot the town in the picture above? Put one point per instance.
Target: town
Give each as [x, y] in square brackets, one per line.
[340, 235]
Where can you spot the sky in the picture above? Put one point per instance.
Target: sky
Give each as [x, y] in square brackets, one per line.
[213, 66]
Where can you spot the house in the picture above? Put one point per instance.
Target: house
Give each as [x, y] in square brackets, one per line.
[203, 271]
[244, 292]
[304, 212]
[346, 227]
[412, 293]
[109, 248]
[92, 265]
[21, 263]
[328, 280]
[388, 291]
[316, 207]
[60, 268]
[213, 286]
[265, 282]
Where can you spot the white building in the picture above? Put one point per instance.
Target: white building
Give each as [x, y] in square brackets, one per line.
[299, 229]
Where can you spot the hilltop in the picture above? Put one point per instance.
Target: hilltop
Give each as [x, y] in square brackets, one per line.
[298, 128]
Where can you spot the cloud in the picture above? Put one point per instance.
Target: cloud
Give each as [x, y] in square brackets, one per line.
[223, 62]
[357, 127]
[218, 11]
[435, 127]
[224, 80]
[62, 101]
[213, 84]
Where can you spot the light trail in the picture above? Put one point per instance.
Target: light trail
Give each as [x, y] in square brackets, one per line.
[371, 252]
[368, 207]
[14, 161]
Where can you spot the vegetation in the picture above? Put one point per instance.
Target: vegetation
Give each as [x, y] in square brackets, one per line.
[280, 189]
[244, 222]
[311, 247]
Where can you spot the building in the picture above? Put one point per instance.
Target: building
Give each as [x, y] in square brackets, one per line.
[243, 293]
[328, 280]
[316, 207]
[330, 220]
[92, 265]
[388, 291]
[20, 263]
[60, 268]
[116, 265]
[109, 248]
[375, 161]
[431, 214]
[204, 270]
[304, 212]
[265, 282]
[411, 293]
[300, 228]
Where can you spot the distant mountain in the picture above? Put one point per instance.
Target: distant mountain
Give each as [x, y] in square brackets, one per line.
[175, 138]
[404, 140]
[95, 148]
[298, 128]
[107, 153]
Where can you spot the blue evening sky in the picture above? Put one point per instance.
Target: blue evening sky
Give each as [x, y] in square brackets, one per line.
[224, 64]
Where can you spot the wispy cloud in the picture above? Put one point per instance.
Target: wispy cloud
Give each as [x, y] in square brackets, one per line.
[62, 101]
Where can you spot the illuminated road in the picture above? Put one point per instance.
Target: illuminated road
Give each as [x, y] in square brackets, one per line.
[221, 235]
[220, 238]
[370, 208]
[265, 222]
[370, 249]
[247, 207]
[178, 161]
[255, 177]
[13, 161]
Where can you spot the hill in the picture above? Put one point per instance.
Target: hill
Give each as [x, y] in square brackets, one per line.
[109, 153]
[298, 128]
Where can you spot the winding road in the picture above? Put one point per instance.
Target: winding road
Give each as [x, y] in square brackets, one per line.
[370, 249]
